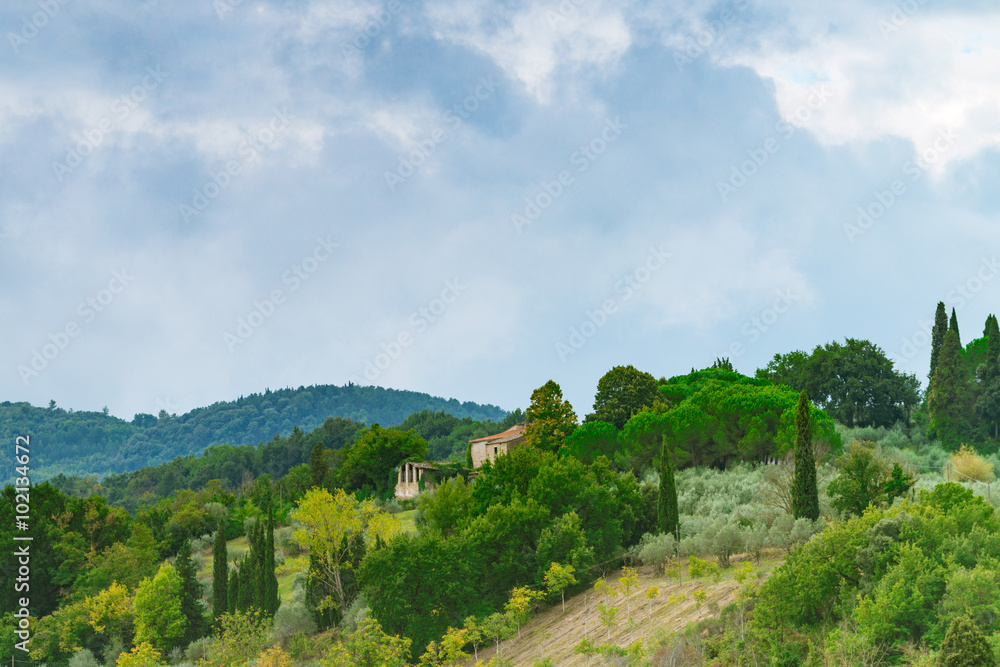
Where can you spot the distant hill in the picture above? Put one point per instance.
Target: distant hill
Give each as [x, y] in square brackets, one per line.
[82, 443]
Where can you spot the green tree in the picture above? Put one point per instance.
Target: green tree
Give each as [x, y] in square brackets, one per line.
[271, 599]
[159, 618]
[242, 637]
[953, 326]
[373, 458]
[861, 480]
[898, 484]
[220, 574]
[558, 578]
[937, 335]
[854, 382]
[592, 439]
[550, 418]
[622, 392]
[195, 626]
[318, 467]
[667, 516]
[988, 374]
[447, 508]
[948, 394]
[805, 494]
[965, 645]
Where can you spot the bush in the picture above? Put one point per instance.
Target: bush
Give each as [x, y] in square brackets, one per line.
[83, 658]
[195, 650]
[970, 466]
[357, 612]
[656, 550]
[291, 620]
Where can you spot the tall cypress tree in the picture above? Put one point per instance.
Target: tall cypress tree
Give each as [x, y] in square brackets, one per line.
[667, 516]
[246, 584]
[805, 495]
[234, 590]
[220, 574]
[988, 373]
[948, 394]
[953, 326]
[194, 620]
[937, 335]
[270, 579]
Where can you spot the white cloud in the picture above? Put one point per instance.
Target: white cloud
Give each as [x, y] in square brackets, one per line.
[909, 78]
[534, 42]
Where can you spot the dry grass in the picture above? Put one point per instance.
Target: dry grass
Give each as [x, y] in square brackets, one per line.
[971, 466]
[553, 634]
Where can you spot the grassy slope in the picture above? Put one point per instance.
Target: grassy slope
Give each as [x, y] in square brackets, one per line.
[553, 634]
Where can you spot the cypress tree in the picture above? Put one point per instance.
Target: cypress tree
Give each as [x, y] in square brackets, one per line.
[220, 574]
[937, 334]
[667, 516]
[234, 590]
[271, 580]
[194, 619]
[953, 326]
[246, 584]
[947, 395]
[805, 495]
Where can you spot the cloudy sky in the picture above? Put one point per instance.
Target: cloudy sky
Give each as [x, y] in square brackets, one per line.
[207, 198]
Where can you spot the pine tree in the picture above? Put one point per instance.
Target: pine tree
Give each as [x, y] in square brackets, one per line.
[220, 574]
[667, 518]
[937, 334]
[965, 645]
[948, 394]
[953, 326]
[194, 619]
[805, 495]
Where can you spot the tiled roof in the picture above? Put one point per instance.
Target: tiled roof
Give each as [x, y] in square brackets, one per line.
[513, 433]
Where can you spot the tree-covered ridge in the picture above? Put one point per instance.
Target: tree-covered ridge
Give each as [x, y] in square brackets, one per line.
[85, 443]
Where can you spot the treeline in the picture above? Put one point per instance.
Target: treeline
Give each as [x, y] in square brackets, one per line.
[82, 443]
[295, 457]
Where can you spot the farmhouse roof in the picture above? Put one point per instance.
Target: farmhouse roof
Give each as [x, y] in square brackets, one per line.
[513, 433]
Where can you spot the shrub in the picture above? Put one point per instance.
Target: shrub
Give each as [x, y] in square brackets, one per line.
[291, 620]
[83, 658]
[970, 466]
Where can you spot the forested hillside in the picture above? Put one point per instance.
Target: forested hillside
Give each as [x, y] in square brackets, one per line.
[95, 443]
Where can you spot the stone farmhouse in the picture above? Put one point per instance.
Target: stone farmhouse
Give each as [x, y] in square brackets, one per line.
[493, 446]
[411, 473]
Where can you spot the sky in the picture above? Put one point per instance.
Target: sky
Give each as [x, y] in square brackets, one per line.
[204, 199]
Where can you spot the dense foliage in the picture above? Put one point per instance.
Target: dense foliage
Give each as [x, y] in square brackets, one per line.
[855, 383]
[85, 443]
